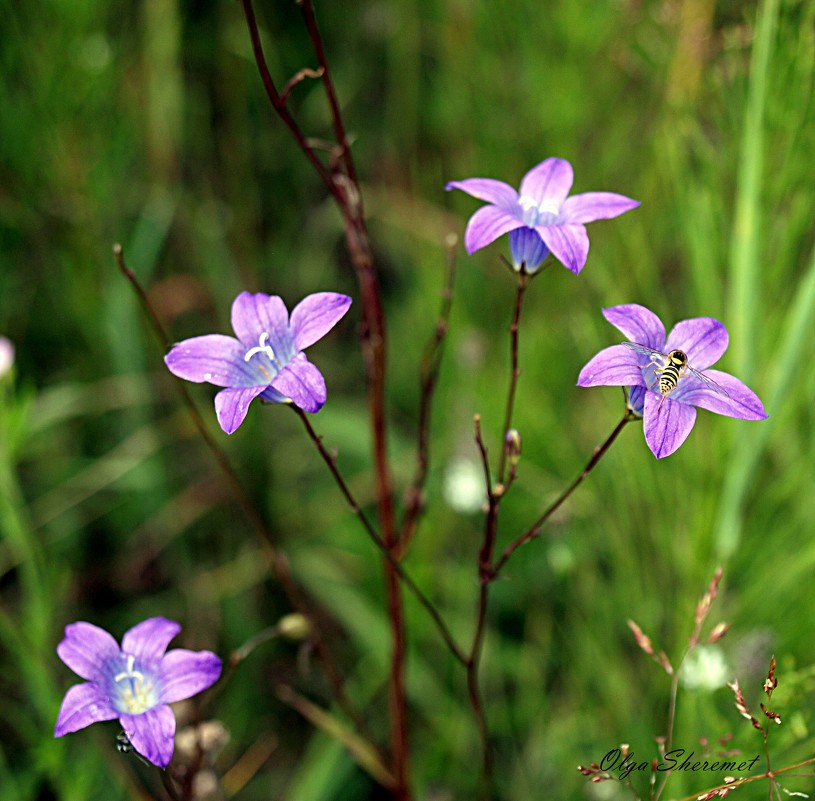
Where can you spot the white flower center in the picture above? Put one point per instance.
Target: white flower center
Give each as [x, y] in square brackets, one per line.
[543, 213]
[136, 693]
[263, 346]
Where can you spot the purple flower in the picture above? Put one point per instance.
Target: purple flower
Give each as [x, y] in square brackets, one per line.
[133, 683]
[542, 219]
[266, 359]
[666, 405]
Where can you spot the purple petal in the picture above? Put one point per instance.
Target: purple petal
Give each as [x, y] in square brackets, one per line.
[667, 426]
[615, 367]
[527, 248]
[592, 206]
[568, 243]
[550, 180]
[152, 733]
[636, 399]
[302, 383]
[486, 225]
[703, 339]
[214, 358]
[186, 673]
[149, 639]
[86, 648]
[231, 406]
[740, 402]
[83, 704]
[315, 315]
[488, 190]
[253, 315]
[639, 324]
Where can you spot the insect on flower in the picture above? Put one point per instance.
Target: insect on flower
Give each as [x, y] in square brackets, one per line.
[664, 389]
[670, 368]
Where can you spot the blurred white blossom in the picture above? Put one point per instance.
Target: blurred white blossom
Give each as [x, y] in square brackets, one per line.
[464, 486]
[705, 668]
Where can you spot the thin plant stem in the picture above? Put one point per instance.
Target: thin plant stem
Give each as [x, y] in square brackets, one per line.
[428, 378]
[534, 530]
[485, 562]
[277, 559]
[279, 102]
[515, 370]
[373, 343]
[405, 577]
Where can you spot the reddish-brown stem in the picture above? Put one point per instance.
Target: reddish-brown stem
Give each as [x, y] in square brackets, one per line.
[342, 183]
[484, 570]
[431, 364]
[515, 371]
[276, 557]
[278, 103]
[328, 84]
[534, 530]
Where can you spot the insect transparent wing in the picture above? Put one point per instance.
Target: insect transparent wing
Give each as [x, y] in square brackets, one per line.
[643, 349]
[711, 384]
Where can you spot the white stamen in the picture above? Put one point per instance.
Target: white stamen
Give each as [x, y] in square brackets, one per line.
[550, 205]
[261, 347]
[129, 673]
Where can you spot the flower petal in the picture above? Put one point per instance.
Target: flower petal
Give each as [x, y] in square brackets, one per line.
[487, 189]
[703, 339]
[592, 206]
[231, 406]
[636, 399]
[315, 315]
[486, 225]
[303, 383]
[152, 733]
[615, 367]
[550, 180]
[639, 324]
[740, 402]
[185, 673]
[527, 249]
[83, 704]
[568, 243]
[253, 315]
[86, 648]
[214, 358]
[666, 426]
[149, 639]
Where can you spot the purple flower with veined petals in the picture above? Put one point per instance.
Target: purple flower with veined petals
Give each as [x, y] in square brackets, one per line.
[133, 683]
[542, 218]
[669, 417]
[266, 359]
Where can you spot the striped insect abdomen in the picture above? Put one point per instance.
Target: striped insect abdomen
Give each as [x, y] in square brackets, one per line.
[668, 379]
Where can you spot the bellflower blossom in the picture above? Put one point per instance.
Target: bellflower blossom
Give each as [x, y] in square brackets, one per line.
[669, 418]
[267, 357]
[542, 218]
[133, 683]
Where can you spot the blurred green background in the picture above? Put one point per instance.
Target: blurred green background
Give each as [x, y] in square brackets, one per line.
[146, 124]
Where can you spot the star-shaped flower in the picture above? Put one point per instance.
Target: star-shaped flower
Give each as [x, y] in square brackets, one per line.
[133, 683]
[668, 417]
[542, 218]
[267, 357]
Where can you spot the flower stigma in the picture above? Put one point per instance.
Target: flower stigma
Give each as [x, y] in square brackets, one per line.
[263, 346]
[137, 695]
[543, 213]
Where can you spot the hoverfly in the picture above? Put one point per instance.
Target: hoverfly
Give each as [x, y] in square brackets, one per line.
[670, 367]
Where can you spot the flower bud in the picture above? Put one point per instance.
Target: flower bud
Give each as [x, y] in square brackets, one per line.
[294, 626]
[512, 446]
